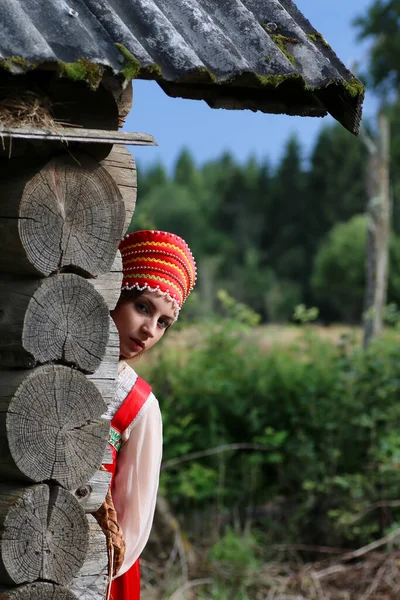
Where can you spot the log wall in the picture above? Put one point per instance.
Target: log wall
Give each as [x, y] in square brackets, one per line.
[60, 225]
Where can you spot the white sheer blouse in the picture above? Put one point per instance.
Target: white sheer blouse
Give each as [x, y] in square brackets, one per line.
[135, 485]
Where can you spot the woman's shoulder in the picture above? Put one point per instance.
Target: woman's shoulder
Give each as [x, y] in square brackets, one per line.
[125, 382]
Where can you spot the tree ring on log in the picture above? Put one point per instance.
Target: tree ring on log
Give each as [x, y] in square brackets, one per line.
[68, 320]
[71, 217]
[45, 534]
[39, 590]
[54, 426]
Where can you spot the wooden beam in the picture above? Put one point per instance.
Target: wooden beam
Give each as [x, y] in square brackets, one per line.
[77, 134]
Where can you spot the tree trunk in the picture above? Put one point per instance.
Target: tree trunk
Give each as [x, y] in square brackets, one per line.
[59, 318]
[378, 234]
[45, 535]
[51, 423]
[68, 215]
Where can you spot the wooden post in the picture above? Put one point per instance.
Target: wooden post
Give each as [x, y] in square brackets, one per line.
[378, 212]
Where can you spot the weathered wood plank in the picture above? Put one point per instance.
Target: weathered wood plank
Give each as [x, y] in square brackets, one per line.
[62, 318]
[91, 581]
[122, 168]
[78, 134]
[108, 368]
[45, 535]
[66, 215]
[109, 284]
[105, 376]
[40, 590]
[51, 426]
[91, 495]
[107, 457]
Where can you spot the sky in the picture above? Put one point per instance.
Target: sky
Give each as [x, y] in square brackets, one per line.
[207, 133]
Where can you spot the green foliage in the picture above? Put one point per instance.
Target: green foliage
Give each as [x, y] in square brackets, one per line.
[303, 315]
[381, 24]
[234, 561]
[256, 231]
[325, 418]
[338, 278]
[238, 311]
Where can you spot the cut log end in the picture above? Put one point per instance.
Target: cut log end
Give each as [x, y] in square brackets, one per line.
[54, 426]
[67, 320]
[71, 216]
[45, 535]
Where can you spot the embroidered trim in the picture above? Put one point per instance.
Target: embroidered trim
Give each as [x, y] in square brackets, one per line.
[115, 438]
[163, 271]
[156, 278]
[141, 288]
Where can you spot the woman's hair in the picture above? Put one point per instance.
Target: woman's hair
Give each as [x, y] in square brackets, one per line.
[127, 295]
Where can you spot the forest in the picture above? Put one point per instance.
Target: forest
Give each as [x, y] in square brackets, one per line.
[280, 477]
[276, 237]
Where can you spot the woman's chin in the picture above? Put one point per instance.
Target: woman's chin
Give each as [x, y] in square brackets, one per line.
[129, 354]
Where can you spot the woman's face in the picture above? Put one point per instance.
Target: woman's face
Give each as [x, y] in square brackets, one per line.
[142, 321]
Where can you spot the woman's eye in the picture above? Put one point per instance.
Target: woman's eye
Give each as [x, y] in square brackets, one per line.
[163, 323]
[141, 307]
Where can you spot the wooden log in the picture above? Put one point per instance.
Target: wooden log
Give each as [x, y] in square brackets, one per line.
[104, 377]
[39, 590]
[91, 581]
[107, 456]
[109, 284]
[123, 97]
[66, 215]
[122, 168]
[91, 495]
[61, 318]
[44, 535]
[51, 426]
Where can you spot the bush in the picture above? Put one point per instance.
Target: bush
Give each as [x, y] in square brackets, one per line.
[324, 420]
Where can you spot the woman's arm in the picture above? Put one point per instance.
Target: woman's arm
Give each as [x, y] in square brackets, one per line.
[135, 486]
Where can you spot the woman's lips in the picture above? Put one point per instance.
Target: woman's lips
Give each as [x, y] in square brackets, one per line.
[137, 345]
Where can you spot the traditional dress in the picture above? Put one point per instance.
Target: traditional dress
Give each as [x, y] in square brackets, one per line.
[162, 263]
[136, 445]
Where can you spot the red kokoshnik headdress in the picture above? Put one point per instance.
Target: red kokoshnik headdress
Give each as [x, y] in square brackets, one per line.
[158, 261]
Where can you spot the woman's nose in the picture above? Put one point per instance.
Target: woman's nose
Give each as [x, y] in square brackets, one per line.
[149, 328]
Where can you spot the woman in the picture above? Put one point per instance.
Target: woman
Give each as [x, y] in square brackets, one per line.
[158, 274]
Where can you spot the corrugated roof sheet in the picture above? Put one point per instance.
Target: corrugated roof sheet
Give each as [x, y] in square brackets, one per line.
[257, 54]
